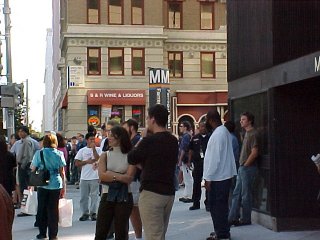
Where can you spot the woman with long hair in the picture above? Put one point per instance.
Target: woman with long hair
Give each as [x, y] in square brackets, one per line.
[114, 169]
[48, 196]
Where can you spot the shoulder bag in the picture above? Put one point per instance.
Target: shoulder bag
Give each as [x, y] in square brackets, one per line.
[40, 177]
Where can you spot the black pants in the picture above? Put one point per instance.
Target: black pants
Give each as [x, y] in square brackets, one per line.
[197, 179]
[23, 176]
[48, 212]
[219, 208]
[119, 212]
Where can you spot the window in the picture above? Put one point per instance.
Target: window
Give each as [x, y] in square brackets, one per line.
[117, 114]
[207, 13]
[175, 63]
[208, 65]
[115, 11]
[94, 61]
[137, 12]
[138, 115]
[116, 65]
[93, 14]
[174, 14]
[93, 117]
[137, 61]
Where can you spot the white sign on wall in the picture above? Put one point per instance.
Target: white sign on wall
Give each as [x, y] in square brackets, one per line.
[75, 76]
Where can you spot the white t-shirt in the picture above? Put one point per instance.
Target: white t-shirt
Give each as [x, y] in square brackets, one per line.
[88, 171]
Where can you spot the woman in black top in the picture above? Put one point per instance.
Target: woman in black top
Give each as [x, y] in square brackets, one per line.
[7, 164]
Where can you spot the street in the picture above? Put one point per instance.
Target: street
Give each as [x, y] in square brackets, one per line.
[184, 224]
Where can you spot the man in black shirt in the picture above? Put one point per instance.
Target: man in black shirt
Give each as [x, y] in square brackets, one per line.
[157, 155]
[197, 149]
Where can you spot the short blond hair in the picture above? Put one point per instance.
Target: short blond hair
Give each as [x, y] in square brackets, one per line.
[50, 141]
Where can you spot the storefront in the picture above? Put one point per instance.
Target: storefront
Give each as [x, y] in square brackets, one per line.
[193, 106]
[119, 105]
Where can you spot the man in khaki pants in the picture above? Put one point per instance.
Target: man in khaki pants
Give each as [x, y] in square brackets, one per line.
[157, 155]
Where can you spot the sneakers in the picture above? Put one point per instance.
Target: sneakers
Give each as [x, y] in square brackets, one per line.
[93, 217]
[185, 200]
[84, 217]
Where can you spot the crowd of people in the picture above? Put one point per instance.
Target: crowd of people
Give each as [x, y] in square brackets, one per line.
[135, 175]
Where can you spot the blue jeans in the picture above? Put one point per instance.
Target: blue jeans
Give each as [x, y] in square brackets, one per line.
[218, 202]
[242, 194]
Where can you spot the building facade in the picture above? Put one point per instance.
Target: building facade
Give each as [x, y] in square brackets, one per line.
[274, 72]
[109, 46]
[47, 118]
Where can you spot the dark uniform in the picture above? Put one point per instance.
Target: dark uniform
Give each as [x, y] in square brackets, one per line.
[198, 146]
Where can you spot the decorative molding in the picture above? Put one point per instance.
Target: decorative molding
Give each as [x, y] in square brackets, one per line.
[114, 42]
[195, 47]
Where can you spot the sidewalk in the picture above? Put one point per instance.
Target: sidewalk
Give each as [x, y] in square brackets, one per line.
[184, 224]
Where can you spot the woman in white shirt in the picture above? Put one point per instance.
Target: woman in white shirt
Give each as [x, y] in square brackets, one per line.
[115, 170]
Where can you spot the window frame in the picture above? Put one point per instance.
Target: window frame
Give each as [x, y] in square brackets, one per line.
[143, 62]
[109, 62]
[99, 61]
[99, 12]
[181, 12]
[142, 20]
[212, 11]
[174, 72]
[213, 63]
[122, 13]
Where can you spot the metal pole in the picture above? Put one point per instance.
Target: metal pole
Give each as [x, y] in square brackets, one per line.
[6, 12]
[27, 102]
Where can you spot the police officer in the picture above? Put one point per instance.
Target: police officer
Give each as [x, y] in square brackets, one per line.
[197, 149]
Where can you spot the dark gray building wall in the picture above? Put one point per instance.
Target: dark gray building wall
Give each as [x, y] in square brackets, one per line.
[264, 33]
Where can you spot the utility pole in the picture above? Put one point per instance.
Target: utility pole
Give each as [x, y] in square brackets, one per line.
[27, 102]
[7, 12]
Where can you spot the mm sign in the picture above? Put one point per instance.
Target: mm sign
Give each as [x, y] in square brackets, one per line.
[158, 76]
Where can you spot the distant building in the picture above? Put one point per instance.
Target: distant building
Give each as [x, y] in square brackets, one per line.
[108, 47]
[47, 118]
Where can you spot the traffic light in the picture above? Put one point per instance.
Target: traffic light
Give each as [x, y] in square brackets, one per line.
[12, 95]
[19, 94]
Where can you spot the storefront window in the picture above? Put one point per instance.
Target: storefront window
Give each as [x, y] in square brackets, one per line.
[117, 114]
[138, 115]
[94, 116]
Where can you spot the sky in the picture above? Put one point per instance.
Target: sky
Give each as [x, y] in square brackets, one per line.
[30, 20]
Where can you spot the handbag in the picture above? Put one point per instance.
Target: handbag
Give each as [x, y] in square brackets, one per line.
[40, 177]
